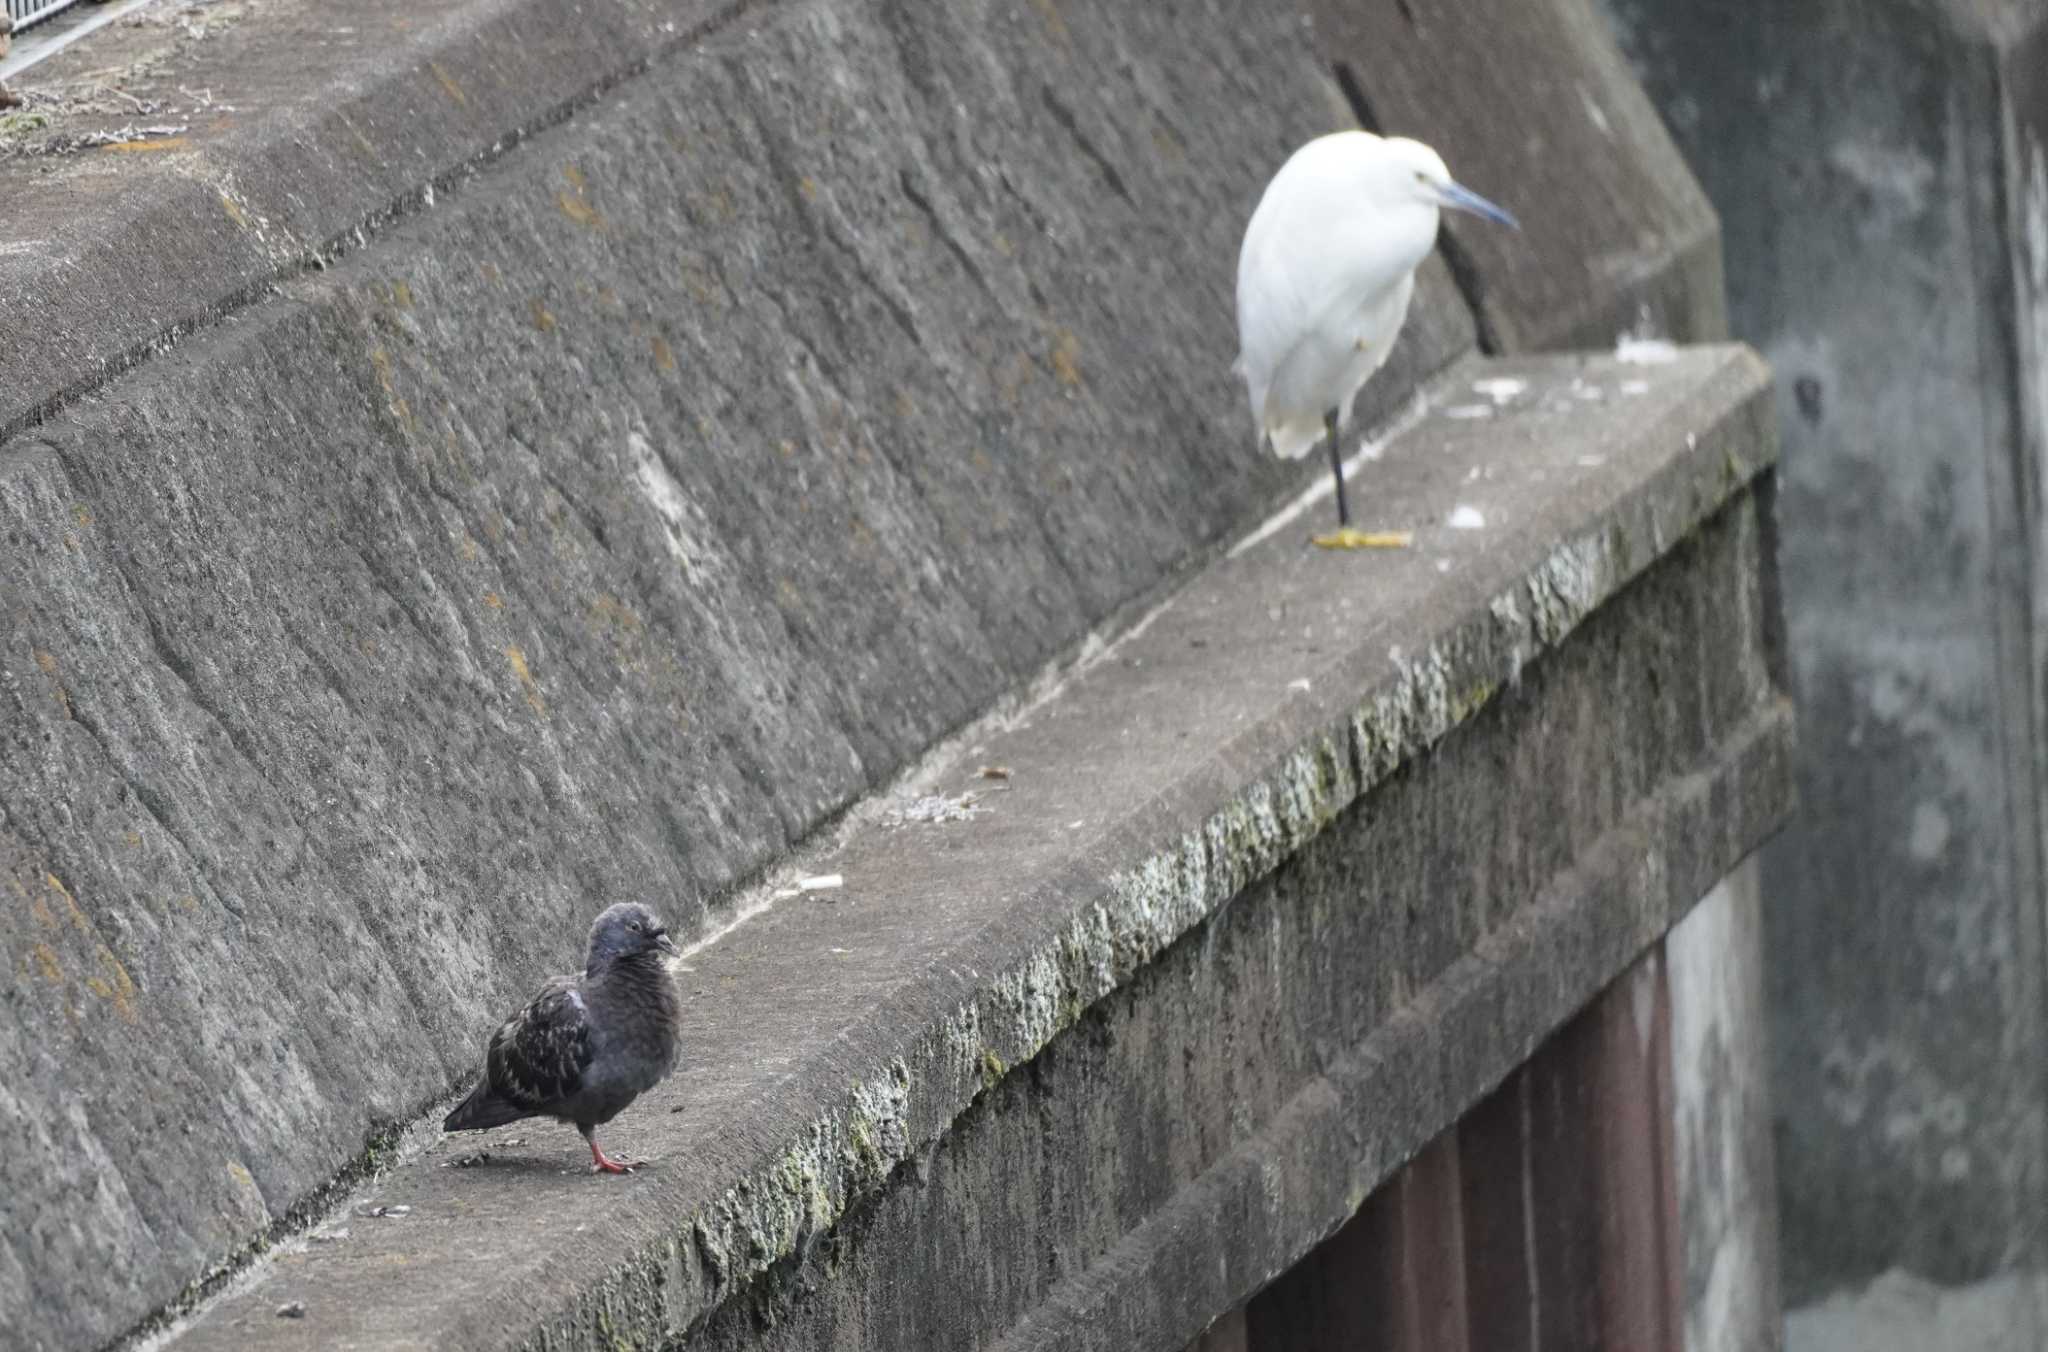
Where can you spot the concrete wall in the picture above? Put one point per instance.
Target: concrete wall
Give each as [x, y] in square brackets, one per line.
[468, 478]
[1879, 172]
[1173, 1150]
[600, 532]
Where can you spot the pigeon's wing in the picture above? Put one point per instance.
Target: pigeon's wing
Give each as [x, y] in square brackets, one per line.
[538, 1057]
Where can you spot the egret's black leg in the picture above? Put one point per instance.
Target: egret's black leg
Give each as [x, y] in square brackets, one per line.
[1344, 537]
[1337, 468]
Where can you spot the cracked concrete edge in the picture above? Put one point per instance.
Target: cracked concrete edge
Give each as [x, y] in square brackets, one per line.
[889, 1118]
[219, 247]
[215, 227]
[1627, 872]
[390, 1146]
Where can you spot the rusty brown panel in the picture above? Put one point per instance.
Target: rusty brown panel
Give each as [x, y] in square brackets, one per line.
[1608, 1166]
[1332, 1300]
[1428, 1260]
[1562, 1160]
[1570, 1194]
[1625, 1061]
[1546, 1221]
[1493, 1160]
[1391, 1280]
[1600, 1173]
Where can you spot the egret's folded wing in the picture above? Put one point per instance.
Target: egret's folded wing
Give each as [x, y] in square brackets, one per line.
[1303, 280]
[1274, 311]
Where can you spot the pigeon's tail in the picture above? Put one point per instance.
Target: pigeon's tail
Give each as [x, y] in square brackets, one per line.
[481, 1109]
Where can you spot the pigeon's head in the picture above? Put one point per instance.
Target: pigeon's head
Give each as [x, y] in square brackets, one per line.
[627, 930]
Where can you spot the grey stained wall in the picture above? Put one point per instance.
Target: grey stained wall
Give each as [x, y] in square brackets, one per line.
[1879, 172]
[597, 533]
[498, 487]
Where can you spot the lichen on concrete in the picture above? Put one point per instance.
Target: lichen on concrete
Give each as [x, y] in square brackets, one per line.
[1141, 910]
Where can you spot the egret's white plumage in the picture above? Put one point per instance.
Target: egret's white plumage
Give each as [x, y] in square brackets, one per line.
[1326, 273]
[1323, 283]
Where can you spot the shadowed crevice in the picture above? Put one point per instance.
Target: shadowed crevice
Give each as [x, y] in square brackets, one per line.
[1463, 267]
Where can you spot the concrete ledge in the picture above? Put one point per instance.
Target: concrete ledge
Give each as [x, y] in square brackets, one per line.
[854, 1064]
[603, 530]
[490, 464]
[325, 127]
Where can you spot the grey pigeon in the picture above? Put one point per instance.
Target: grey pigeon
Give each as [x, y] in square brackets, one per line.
[587, 1045]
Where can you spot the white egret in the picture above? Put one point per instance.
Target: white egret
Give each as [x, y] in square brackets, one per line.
[1323, 283]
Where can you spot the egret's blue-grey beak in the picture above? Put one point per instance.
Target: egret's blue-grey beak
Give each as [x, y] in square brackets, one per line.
[1460, 198]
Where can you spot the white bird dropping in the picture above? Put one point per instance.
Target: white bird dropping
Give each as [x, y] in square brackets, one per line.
[1323, 284]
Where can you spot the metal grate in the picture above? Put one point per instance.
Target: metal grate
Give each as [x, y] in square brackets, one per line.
[26, 12]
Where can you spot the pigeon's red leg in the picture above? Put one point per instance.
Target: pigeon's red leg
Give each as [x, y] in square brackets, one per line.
[605, 1162]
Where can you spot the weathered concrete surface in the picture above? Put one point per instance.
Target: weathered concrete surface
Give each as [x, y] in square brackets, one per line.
[1879, 168]
[1040, 133]
[857, 1114]
[1532, 103]
[553, 460]
[600, 532]
[1899, 1312]
[322, 123]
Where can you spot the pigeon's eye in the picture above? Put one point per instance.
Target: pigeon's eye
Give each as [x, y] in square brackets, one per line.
[635, 926]
[1421, 177]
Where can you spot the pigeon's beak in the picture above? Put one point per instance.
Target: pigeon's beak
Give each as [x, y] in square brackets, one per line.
[667, 945]
[1460, 198]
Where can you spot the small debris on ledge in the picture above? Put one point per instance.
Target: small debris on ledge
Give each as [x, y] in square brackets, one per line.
[1644, 351]
[936, 807]
[124, 85]
[1500, 389]
[295, 1309]
[820, 882]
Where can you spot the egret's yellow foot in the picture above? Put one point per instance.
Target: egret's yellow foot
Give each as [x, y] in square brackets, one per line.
[1348, 538]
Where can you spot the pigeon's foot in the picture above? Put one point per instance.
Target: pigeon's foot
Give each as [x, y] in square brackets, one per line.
[602, 1163]
[1348, 538]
